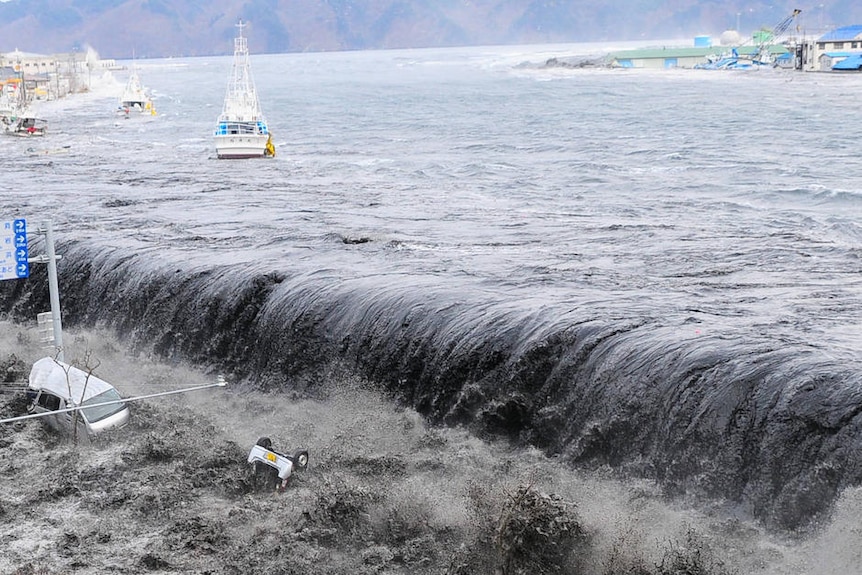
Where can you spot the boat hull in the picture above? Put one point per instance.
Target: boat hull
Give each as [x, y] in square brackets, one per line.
[238, 147]
[129, 108]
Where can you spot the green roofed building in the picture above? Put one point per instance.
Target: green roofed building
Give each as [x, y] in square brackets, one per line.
[681, 57]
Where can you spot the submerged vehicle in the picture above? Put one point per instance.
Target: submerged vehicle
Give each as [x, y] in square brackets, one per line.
[73, 400]
[271, 469]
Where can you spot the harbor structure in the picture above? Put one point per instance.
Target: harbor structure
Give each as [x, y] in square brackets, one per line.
[49, 76]
[838, 50]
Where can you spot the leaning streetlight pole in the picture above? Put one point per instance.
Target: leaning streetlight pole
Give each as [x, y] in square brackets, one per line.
[54, 289]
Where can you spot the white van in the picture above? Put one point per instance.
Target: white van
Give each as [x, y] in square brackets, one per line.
[55, 386]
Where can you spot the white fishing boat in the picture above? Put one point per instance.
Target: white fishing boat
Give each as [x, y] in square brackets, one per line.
[242, 131]
[135, 98]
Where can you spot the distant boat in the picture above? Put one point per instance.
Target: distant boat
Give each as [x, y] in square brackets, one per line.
[24, 126]
[242, 131]
[16, 119]
[135, 98]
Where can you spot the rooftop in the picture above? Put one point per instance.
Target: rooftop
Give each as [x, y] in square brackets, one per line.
[853, 62]
[696, 52]
[842, 34]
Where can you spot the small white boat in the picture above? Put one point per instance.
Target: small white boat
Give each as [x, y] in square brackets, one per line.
[25, 125]
[16, 119]
[135, 98]
[241, 131]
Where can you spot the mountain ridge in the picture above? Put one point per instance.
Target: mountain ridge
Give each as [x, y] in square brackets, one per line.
[159, 28]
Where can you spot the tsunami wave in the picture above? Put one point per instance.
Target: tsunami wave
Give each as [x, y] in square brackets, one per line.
[654, 272]
[769, 424]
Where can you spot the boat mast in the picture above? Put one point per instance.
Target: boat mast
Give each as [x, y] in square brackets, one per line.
[22, 87]
[240, 103]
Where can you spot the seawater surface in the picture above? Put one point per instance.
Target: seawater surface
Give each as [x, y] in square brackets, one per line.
[655, 271]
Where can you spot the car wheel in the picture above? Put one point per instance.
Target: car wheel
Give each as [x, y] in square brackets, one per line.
[300, 459]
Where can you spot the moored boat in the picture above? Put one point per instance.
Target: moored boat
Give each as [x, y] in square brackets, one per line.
[242, 131]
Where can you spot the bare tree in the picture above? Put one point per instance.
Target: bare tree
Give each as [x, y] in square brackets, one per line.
[88, 368]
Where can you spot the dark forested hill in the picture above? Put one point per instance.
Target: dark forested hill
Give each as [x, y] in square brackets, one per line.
[161, 28]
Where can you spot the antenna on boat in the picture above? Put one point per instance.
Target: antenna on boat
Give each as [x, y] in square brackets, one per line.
[240, 38]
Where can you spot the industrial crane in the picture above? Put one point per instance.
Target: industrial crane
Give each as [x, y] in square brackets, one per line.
[759, 56]
[768, 37]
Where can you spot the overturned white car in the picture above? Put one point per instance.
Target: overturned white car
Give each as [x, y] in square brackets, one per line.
[272, 469]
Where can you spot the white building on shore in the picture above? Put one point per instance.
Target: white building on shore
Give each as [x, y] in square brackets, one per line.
[50, 76]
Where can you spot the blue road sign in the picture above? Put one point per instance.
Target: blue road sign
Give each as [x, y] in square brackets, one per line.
[13, 250]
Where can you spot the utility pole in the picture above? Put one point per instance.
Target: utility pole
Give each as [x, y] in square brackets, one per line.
[54, 288]
[15, 263]
[50, 258]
